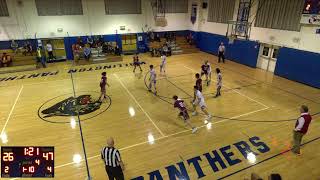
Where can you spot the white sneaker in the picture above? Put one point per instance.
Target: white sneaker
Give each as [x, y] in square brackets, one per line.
[194, 130]
[194, 113]
[209, 118]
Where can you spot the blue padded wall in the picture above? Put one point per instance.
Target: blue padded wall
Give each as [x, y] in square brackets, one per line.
[298, 65]
[241, 51]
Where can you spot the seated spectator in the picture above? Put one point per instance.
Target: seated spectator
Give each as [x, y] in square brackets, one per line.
[14, 46]
[6, 60]
[165, 49]
[27, 49]
[90, 41]
[157, 38]
[105, 47]
[117, 51]
[152, 37]
[79, 42]
[87, 52]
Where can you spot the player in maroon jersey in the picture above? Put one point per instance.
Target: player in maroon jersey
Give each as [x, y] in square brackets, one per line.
[136, 62]
[103, 84]
[178, 103]
[198, 82]
[206, 70]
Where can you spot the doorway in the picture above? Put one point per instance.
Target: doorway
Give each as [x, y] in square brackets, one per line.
[268, 55]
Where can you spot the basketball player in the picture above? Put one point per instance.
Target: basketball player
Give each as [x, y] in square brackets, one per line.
[103, 84]
[219, 82]
[152, 79]
[198, 82]
[136, 62]
[199, 101]
[178, 103]
[206, 70]
[163, 63]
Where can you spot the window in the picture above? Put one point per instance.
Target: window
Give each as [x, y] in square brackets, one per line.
[122, 6]
[221, 11]
[279, 14]
[176, 6]
[59, 7]
[3, 8]
[275, 53]
[265, 51]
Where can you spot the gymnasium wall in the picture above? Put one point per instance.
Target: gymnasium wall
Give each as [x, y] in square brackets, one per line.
[24, 21]
[298, 65]
[307, 38]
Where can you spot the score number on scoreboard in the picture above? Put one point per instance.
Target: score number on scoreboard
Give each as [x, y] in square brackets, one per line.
[27, 161]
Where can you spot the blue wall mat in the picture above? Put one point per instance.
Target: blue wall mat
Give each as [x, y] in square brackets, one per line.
[241, 51]
[298, 65]
[244, 52]
[7, 44]
[208, 42]
[68, 41]
[142, 45]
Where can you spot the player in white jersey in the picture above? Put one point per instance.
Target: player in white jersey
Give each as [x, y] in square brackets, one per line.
[199, 101]
[219, 82]
[163, 63]
[152, 79]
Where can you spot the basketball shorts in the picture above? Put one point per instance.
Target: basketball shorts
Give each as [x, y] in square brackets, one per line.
[103, 89]
[204, 72]
[201, 104]
[185, 115]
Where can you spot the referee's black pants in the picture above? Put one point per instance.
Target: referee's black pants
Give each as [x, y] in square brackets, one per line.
[221, 56]
[114, 173]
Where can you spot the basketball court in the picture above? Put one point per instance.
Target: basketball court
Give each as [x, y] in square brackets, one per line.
[146, 128]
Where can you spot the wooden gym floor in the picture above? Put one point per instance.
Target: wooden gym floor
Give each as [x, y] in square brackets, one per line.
[146, 128]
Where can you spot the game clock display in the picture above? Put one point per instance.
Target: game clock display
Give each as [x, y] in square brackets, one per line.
[27, 161]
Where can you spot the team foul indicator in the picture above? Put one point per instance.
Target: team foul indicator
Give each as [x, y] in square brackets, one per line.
[27, 162]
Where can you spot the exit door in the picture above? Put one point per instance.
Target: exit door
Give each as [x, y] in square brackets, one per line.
[268, 57]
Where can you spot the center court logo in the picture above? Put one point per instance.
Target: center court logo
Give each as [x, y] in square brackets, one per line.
[61, 108]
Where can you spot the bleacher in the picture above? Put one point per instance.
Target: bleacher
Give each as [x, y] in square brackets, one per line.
[178, 46]
[19, 63]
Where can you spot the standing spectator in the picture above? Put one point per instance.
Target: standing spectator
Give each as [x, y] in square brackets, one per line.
[301, 128]
[14, 46]
[221, 52]
[112, 159]
[41, 57]
[117, 51]
[50, 51]
[87, 52]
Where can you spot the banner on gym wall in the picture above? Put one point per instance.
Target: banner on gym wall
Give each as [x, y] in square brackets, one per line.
[194, 13]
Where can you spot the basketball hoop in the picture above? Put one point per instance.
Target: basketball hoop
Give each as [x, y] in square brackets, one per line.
[158, 8]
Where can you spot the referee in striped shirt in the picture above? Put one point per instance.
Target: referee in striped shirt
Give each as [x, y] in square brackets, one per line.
[112, 159]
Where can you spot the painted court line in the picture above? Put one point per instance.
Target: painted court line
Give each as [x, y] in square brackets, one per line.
[167, 136]
[135, 100]
[235, 91]
[11, 111]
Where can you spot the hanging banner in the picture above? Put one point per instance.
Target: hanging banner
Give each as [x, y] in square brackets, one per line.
[194, 13]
